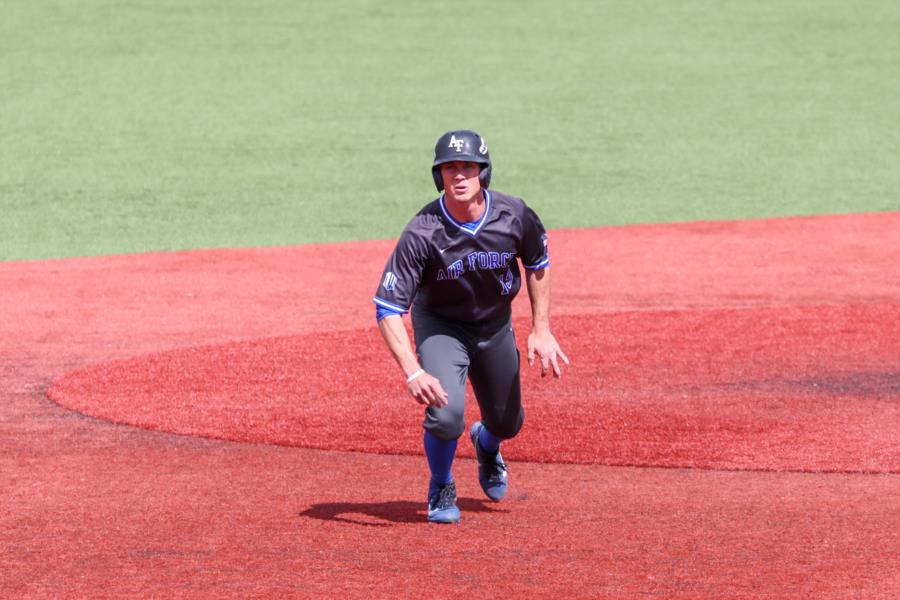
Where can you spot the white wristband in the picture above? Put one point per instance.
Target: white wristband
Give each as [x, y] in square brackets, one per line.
[414, 375]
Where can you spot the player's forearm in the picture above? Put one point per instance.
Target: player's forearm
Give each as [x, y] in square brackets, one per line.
[538, 283]
[394, 333]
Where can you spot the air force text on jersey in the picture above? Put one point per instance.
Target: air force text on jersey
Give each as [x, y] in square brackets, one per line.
[477, 261]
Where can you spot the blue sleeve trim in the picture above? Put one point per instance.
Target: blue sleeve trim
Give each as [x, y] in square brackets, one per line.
[388, 305]
[541, 265]
[381, 312]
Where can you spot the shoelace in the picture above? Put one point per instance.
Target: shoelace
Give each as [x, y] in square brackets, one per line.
[447, 497]
[494, 463]
[499, 470]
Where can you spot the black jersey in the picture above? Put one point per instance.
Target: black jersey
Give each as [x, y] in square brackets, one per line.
[463, 271]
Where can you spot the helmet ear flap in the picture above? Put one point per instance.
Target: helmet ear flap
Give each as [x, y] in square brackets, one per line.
[485, 176]
[438, 179]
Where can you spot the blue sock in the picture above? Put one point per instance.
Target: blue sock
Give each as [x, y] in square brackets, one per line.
[488, 441]
[440, 458]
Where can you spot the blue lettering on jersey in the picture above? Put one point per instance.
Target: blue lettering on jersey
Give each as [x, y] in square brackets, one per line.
[479, 261]
[453, 271]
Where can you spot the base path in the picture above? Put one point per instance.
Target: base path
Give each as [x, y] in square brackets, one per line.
[728, 427]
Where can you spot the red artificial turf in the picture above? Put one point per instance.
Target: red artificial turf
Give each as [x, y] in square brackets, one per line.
[784, 388]
[93, 509]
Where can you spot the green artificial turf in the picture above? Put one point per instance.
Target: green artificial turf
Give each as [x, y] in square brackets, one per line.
[161, 125]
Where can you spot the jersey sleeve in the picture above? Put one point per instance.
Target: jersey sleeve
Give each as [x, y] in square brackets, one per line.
[533, 251]
[402, 274]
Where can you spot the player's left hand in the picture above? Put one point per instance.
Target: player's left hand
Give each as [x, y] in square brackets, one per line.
[544, 345]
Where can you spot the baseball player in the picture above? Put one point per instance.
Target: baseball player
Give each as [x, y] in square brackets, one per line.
[456, 266]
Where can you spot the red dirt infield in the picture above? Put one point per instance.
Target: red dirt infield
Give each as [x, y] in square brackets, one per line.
[801, 389]
[756, 361]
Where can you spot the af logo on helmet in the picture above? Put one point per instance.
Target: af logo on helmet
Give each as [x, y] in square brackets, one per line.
[456, 144]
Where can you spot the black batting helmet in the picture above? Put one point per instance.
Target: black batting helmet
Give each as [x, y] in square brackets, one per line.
[461, 145]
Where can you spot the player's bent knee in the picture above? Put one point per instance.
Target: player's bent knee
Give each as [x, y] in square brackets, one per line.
[444, 425]
[506, 431]
[445, 432]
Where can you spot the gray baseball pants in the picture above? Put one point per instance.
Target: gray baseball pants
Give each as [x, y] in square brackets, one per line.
[486, 353]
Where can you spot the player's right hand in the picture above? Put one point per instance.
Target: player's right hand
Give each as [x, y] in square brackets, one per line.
[427, 390]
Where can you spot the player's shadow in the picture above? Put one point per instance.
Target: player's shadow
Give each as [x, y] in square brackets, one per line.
[383, 514]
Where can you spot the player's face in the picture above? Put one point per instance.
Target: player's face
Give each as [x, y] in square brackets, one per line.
[461, 181]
